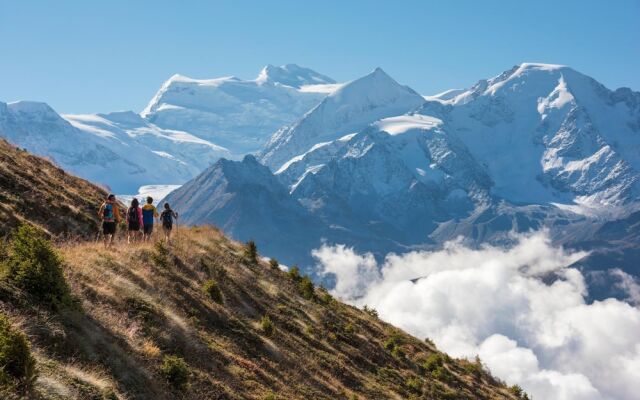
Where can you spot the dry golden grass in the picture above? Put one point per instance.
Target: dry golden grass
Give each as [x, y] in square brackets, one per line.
[35, 191]
[142, 302]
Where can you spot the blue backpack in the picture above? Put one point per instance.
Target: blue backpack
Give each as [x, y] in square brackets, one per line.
[107, 214]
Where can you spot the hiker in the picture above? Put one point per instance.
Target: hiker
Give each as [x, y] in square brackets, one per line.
[110, 216]
[167, 217]
[149, 214]
[134, 221]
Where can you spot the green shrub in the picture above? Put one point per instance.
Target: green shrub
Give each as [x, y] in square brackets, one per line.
[294, 273]
[267, 326]
[393, 344]
[306, 288]
[325, 297]
[273, 263]
[474, 368]
[432, 362]
[271, 396]
[349, 329]
[308, 329]
[414, 385]
[518, 392]
[160, 256]
[211, 289]
[397, 353]
[33, 265]
[443, 375]
[17, 365]
[251, 252]
[176, 371]
[370, 310]
[393, 341]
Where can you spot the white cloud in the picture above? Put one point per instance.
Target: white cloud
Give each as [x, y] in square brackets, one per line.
[521, 309]
[354, 272]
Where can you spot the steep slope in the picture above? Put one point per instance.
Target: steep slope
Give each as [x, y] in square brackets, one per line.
[347, 110]
[34, 191]
[119, 150]
[143, 303]
[237, 114]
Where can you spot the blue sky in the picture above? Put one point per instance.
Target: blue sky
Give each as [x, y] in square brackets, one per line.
[91, 56]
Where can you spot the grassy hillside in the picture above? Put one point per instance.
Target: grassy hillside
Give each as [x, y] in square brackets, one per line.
[201, 320]
[34, 190]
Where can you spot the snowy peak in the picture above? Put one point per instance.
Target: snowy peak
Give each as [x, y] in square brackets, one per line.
[34, 111]
[237, 114]
[376, 86]
[347, 110]
[246, 172]
[20, 120]
[529, 79]
[292, 75]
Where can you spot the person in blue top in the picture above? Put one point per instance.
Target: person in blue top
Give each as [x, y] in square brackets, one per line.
[149, 214]
[109, 214]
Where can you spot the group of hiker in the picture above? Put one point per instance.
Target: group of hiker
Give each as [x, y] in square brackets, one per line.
[139, 220]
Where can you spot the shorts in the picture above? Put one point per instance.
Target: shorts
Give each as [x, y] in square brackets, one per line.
[134, 226]
[148, 229]
[167, 226]
[109, 228]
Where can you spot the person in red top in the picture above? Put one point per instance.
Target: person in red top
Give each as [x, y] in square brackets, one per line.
[134, 221]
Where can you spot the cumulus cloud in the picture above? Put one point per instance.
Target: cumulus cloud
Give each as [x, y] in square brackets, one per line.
[521, 309]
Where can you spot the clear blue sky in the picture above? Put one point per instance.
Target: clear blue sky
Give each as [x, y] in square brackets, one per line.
[99, 56]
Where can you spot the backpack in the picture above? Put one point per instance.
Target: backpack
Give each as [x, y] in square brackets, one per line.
[167, 217]
[133, 215]
[107, 213]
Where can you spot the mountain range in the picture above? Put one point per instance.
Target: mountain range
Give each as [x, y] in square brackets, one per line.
[188, 125]
[371, 163]
[378, 167]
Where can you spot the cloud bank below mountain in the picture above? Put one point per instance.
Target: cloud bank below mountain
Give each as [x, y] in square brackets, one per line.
[522, 309]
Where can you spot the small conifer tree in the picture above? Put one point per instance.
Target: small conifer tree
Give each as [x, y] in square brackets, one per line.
[251, 252]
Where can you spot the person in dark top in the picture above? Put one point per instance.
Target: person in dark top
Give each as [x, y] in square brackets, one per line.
[167, 216]
[134, 221]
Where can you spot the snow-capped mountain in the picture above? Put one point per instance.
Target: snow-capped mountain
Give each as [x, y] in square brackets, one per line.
[537, 146]
[119, 150]
[238, 114]
[170, 141]
[547, 133]
[345, 111]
